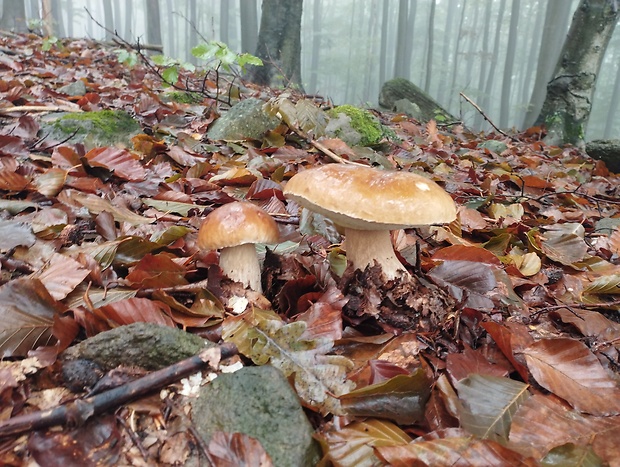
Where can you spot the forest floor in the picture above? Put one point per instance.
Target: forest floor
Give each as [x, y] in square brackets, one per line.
[521, 369]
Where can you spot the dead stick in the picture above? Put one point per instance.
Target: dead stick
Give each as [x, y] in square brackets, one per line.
[475, 106]
[80, 410]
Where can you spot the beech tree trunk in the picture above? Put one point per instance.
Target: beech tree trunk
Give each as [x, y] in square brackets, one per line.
[13, 16]
[566, 109]
[279, 44]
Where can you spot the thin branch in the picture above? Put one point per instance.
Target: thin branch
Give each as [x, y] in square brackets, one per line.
[475, 106]
[81, 410]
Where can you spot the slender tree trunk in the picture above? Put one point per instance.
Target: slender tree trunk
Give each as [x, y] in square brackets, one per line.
[472, 45]
[316, 45]
[384, 40]
[224, 21]
[193, 30]
[530, 60]
[153, 22]
[249, 25]
[108, 19]
[429, 50]
[566, 109]
[488, 90]
[485, 59]
[554, 33]
[445, 53]
[13, 16]
[127, 27]
[408, 46]
[401, 41]
[455, 63]
[279, 44]
[509, 65]
[353, 25]
[613, 107]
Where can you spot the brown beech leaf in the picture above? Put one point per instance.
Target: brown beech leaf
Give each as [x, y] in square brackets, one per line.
[452, 452]
[571, 371]
[14, 234]
[509, 343]
[133, 310]
[590, 323]
[461, 365]
[118, 161]
[324, 318]
[155, 271]
[544, 422]
[50, 182]
[12, 181]
[466, 253]
[27, 312]
[13, 146]
[234, 449]
[466, 280]
[97, 205]
[61, 275]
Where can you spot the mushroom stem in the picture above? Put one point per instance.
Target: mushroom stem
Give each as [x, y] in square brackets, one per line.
[240, 264]
[364, 247]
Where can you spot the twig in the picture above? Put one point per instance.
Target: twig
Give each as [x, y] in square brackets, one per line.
[475, 106]
[38, 108]
[81, 410]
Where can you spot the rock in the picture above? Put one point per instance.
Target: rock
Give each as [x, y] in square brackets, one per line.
[259, 402]
[94, 129]
[493, 145]
[399, 88]
[607, 150]
[146, 345]
[245, 120]
[77, 88]
[355, 126]
[405, 106]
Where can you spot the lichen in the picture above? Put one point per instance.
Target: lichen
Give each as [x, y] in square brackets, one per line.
[361, 122]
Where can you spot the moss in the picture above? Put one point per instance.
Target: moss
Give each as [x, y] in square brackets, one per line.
[184, 97]
[104, 127]
[361, 121]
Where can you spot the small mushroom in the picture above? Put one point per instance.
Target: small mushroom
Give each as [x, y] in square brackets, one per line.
[369, 203]
[233, 229]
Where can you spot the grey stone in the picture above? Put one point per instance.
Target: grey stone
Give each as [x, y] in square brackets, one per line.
[607, 150]
[77, 88]
[259, 402]
[245, 120]
[493, 145]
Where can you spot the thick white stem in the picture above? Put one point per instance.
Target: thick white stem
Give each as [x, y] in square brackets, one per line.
[364, 247]
[240, 264]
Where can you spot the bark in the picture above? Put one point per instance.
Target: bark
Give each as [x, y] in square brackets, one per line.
[13, 16]
[279, 44]
[509, 65]
[153, 28]
[488, 89]
[108, 19]
[398, 89]
[384, 40]
[554, 32]
[429, 51]
[567, 107]
[445, 53]
[401, 38]
[249, 25]
[224, 20]
[127, 32]
[316, 45]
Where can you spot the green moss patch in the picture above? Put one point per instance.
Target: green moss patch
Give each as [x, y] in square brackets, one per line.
[356, 126]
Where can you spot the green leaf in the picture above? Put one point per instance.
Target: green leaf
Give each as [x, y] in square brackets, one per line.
[162, 60]
[248, 59]
[170, 74]
[171, 206]
[206, 50]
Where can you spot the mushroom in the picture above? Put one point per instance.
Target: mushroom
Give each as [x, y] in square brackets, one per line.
[233, 229]
[369, 203]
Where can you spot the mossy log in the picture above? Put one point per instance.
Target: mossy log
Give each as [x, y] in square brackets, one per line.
[395, 90]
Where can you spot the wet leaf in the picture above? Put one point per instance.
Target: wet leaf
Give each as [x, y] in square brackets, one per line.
[401, 399]
[230, 449]
[27, 314]
[353, 445]
[567, 368]
[13, 234]
[61, 275]
[120, 162]
[488, 404]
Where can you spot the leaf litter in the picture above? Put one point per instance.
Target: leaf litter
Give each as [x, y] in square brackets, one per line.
[512, 356]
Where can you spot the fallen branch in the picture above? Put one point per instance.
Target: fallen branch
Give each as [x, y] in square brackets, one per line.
[80, 410]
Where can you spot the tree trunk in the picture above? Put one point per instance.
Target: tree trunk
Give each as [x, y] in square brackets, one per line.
[249, 25]
[402, 47]
[153, 23]
[316, 45]
[13, 16]
[224, 20]
[566, 109]
[108, 19]
[488, 89]
[127, 28]
[429, 51]
[485, 59]
[509, 65]
[384, 39]
[445, 53]
[279, 44]
[554, 32]
[613, 107]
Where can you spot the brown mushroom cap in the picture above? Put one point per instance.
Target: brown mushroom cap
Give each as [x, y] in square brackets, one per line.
[236, 224]
[371, 199]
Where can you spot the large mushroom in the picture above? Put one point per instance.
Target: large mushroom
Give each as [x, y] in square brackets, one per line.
[369, 203]
[234, 229]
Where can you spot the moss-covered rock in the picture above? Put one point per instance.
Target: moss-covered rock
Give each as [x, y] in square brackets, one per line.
[355, 126]
[145, 345]
[245, 120]
[101, 128]
[183, 97]
[259, 402]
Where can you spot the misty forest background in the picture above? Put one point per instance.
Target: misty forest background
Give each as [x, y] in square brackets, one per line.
[500, 53]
